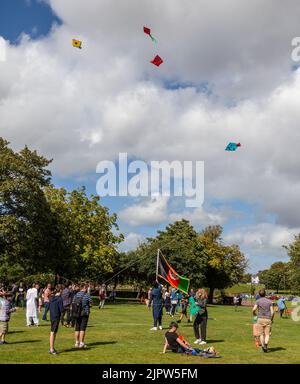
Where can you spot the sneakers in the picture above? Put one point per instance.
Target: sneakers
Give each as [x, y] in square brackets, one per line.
[264, 348]
[198, 341]
[202, 342]
[82, 345]
[77, 344]
[160, 327]
[153, 329]
[54, 352]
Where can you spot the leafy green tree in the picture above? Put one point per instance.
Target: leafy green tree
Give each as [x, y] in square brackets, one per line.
[293, 251]
[25, 219]
[277, 277]
[44, 230]
[225, 264]
[178, 243]
[88, 239]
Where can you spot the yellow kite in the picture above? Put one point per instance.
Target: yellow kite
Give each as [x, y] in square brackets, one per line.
[76, 43]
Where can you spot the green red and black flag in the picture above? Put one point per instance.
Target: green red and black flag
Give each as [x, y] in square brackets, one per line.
[166, 272]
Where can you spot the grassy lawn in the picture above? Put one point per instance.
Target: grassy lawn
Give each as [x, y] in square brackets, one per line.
[120, 334]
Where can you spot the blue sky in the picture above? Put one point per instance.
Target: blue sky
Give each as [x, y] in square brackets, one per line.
[32, 17]
[91, 109]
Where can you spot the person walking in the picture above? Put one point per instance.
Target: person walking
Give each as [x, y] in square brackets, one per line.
[157, 305]
[264, 308]
[82, 304]
[32, 298]
[201, 317]
[46, 297]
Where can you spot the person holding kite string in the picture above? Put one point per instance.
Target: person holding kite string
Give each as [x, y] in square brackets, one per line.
[157, 300]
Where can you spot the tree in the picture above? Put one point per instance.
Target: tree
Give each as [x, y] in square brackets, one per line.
[48, 230]
[88, 239]
[277, 277]
[225, 264]
[293, 251]
[25, 222]
[178, 243]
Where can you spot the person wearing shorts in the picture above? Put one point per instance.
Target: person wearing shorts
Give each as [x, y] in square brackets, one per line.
[56, 310]
[82, 319]
[5, 310]
[265, 316]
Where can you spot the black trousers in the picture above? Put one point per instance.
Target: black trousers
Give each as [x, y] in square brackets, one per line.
[200, 321]
[66, 311]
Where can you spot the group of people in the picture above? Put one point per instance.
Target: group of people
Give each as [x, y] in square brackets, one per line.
[68, 305]
[159, 298]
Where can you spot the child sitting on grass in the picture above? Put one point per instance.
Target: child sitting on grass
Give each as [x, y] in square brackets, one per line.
[6, 309]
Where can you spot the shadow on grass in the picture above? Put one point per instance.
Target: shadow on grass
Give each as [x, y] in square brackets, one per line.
[90, 345]
[11, 332]
[24, 342]
[276, 349]
[214, 341]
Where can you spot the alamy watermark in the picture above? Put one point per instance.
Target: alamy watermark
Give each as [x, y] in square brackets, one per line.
[296, 51]
[157, 178]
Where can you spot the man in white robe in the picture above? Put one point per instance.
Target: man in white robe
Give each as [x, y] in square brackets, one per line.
[32, 298]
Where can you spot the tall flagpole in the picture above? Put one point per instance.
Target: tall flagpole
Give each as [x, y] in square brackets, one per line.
[157, 263]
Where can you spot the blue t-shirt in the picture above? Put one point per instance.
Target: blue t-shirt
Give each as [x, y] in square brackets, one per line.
[281, 303]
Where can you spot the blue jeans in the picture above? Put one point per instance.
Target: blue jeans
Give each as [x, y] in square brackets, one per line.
[46, 310]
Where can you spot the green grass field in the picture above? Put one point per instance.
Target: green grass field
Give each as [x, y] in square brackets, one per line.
[120, 334]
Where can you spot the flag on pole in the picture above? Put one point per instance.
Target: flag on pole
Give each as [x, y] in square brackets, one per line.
[166, 272]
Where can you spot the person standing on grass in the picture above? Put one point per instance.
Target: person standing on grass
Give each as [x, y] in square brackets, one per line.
[236, 302]
[21, 296]
[265, 316]
[66, 296]
[174, 301]
[32, 298]
[46, 296]
[184, 306]
[281, 305]
[6, 308]
[82, 304]
[201, 317]
[102, 296]
[56, 311]
[14, 291]
[168, 302]
[75, 290]
[157, 301]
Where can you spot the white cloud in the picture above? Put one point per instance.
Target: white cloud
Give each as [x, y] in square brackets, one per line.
[131, 241]
[201, 216]
[150, 212]
[262, 243]
[83, 106]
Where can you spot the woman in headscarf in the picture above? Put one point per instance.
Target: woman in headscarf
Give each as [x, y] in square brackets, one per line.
[156, 299]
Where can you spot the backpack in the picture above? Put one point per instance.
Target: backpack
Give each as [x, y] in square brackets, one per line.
[77, 307]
